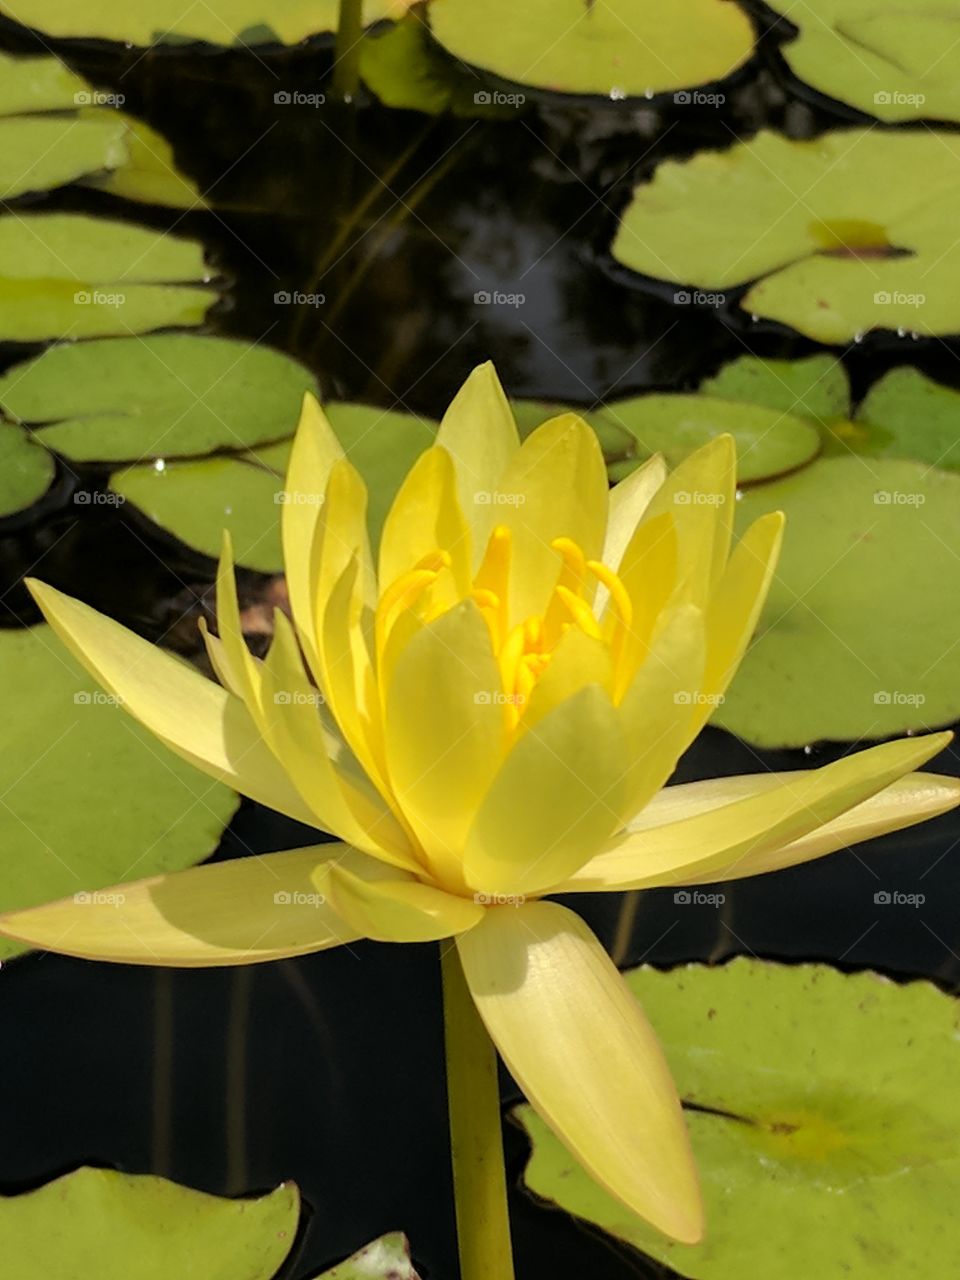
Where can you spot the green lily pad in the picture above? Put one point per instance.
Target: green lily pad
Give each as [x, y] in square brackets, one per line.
[196, 500]
[819, 1154]
[26, 470]
[166, 396]
[619, 48]
[908, 415]
[769, 441]
[385, 1259]
[816, 387]
[67, 276]
[29, 85]
[893, 62]
[76, 766]
[406, 68]
[39, 153]
[97, 1222]
[828, 243]
[148, 173]
[858, 635]
[218, 22]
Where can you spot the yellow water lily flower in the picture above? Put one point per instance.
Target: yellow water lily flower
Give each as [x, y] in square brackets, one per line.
[485, 710]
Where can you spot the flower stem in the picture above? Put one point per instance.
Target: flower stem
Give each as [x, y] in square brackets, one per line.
[346, 68]
[476, 1144]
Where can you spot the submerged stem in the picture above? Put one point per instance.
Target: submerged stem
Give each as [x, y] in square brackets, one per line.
[476, 1144]
[346, 69]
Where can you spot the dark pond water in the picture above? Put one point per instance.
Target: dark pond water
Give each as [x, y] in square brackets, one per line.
[328, 1070]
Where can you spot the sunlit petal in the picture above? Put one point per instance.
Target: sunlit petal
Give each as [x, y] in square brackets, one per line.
[579, 1046]
[397, 910]
[426, 517]
[227, 913]
[196, 718]
[709, 843]
[628, 501]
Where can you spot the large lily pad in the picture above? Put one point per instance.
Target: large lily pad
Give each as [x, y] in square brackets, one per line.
[149, 172]
[829, 1140]
[166, 396]
[38, 153]
[618, 48]
[116, 1226]
[196, 500]
[29, 85]
[218, 22]
[816, 387]
[892, 61]
[76, 766]
[908, 415]
[849, 232]
[858, 636]
[67, 276]
[26, 470]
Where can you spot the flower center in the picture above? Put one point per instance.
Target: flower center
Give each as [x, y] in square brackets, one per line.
[523, 648]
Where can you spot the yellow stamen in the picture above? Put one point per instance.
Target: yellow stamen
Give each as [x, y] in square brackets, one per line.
[493, 577]
[621, 608]
[581, 613]
[403, 593]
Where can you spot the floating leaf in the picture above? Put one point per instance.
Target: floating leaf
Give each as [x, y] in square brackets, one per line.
[889, 61]
[617, 48]
[819, 1154]
[386, 1259]
[149, 171]
[907, 415]
[852, 231]
[858, 636]
[26, 470]
[90, 798]
[97, 1222]
[816, 387]
[769, 441]
[38, 153]
[218, 22]
[30, 85]
[67, 276]
[197, 500]
[170, 395]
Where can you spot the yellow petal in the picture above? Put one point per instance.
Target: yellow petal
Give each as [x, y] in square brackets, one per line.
[578, 660]
[196, 718]
[227, 913]
[657, 712]
[340, 534]
[579, 1046]
[241, 670]
[397, 910]
[735, 607]
[700, 844]
[294, 728]
[700, 494]
[649, 571]
[315, 450]
[554, 802]
[628, 501]
[444, 730]
[480, 434]
[425, 517]
[555, 486]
